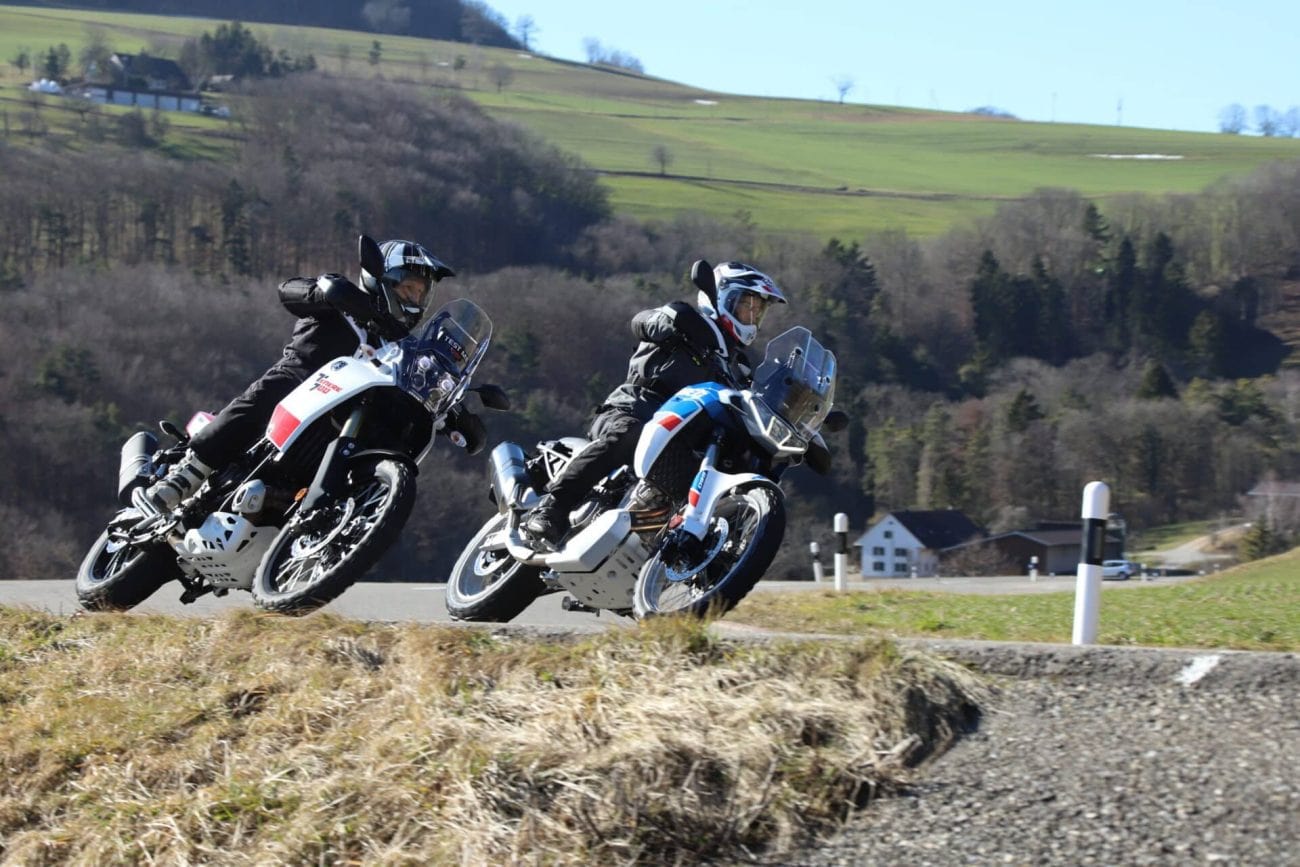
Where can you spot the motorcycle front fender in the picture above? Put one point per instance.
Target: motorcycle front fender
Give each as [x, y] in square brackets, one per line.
[710, 486]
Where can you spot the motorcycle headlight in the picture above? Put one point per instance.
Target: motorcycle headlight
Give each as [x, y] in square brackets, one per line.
[776, 429]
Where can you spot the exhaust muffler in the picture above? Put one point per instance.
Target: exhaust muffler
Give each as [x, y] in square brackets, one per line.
[136, 465]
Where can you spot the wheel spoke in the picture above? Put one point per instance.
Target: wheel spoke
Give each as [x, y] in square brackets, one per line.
[742, 521]
[309, 558]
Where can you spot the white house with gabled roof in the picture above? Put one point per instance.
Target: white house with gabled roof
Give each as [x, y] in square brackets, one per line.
[908, 542]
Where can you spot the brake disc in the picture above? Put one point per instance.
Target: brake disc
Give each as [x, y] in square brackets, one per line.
[722, 529]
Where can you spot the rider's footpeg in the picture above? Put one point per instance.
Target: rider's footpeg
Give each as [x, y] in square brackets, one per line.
[568, 603]
[193, 592]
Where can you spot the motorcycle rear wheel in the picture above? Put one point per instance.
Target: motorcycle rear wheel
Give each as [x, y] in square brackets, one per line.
[755, 519]
[115, 577]
[310, 564]
[490, 586]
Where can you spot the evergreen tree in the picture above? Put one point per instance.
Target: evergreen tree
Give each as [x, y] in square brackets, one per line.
[1207, 343]
[234, 50]
[51, 67]
[1121, 286]
[1023, 411]
[1053, 332]
[987, 294]
[1261, 541]
[845, 298]
[234, 228]
[1156, 383]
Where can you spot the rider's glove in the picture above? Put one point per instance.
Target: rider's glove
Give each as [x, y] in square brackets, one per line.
[345, 296]
[349, 298]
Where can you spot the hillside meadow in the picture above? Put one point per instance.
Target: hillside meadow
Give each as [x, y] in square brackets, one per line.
[802, 167]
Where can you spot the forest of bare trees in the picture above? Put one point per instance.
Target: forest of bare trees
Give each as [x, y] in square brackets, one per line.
[995, 368]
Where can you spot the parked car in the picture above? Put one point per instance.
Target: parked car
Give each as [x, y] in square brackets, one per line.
[1119, 570]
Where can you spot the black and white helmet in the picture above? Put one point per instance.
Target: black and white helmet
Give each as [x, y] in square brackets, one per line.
[404, 260]
[734, 281]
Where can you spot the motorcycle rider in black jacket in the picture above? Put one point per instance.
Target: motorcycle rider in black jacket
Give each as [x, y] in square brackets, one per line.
[386, 306]
[680, 345]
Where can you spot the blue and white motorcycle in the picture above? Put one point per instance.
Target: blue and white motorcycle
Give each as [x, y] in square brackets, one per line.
[690, 527]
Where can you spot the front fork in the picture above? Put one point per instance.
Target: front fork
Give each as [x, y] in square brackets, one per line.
[701, 497]
[332, 474]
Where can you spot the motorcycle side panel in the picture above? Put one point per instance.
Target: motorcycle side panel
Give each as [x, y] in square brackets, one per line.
[337, 382]
[600, 565]
[591, 547]
[670, 419]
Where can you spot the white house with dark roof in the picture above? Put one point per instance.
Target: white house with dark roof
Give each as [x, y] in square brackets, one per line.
[908, 542]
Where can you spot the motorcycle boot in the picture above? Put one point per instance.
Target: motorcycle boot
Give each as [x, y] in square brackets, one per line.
[548, 521]
[180, 482]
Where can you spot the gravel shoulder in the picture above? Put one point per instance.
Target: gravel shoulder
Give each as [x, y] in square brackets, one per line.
[1102, 755]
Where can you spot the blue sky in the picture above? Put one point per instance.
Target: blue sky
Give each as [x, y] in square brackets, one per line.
[1147, 63]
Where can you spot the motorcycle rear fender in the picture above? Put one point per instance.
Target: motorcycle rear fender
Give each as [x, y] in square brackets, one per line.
[672, 418]
[334, 384]
[709, 486]
[198, 422]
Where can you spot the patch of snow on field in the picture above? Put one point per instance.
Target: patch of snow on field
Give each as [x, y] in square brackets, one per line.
[1137, 156]
[706, 102]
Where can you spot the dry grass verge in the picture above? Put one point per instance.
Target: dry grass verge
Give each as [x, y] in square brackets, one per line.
[248, 739]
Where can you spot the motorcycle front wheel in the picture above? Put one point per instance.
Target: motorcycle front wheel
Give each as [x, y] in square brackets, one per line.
[315, 559]
[116, 575]
[748, 525]
[489, 585]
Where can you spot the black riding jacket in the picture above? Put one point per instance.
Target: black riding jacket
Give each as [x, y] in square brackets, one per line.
[666, 360]
[321, 332]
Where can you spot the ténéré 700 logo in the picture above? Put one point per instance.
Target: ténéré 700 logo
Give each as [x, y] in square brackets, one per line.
[323, 384]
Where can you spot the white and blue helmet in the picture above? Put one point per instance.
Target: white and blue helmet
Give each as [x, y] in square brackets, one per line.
[735, 280]
[404, 259]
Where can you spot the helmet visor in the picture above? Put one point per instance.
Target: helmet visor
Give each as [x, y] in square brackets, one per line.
[750, 308]
[411, 286]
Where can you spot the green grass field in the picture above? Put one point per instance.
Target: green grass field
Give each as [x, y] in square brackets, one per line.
[1251, 607]
[796, 166]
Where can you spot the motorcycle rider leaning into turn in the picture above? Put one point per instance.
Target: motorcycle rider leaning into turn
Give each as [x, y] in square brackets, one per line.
[680, 345]
[385, 305]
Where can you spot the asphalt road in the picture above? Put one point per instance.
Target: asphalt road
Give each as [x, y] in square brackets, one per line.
[424, 603]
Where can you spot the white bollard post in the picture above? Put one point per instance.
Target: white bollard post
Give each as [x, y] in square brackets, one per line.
[1087, 588]
[1033, 568]
[842, 551]
[817, 562]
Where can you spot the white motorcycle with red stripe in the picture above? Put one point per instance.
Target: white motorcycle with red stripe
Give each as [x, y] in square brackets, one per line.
[694, 522]
[315, 503]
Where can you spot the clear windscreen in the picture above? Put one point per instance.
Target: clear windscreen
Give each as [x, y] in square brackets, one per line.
[444, 351]
[797, 380]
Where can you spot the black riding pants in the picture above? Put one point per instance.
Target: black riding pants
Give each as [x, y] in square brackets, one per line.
[614, 434]
[244, 419]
